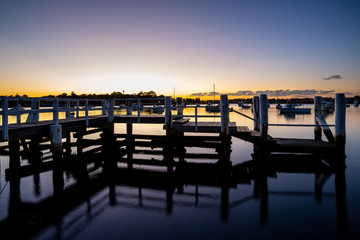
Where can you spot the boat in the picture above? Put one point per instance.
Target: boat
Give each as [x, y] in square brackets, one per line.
[356, 103]
[291, 108]
[327, 106]
[278, 106]
[212, 107]
[157, 109]
[243, 105]
[135, 107]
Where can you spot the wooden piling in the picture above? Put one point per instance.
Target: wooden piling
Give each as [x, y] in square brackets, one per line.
[317, 110]
[67, 107]
[224, 109]
[103, 107]
[110, 111]
[56, 111]
[5, 120]
[87, 112]
[180, 107]
[34, 115]
[263, 117]
[129, 137]
[256, 113]
[168, 120]
[18, 116]
[34, 150]
[138, 110]
[340, 115]
[56, 139]
[79, 140]
[196, 119]
[68, 144]
[77, 108]
[14, 147]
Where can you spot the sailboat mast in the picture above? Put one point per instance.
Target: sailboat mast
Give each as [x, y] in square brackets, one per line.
[214, 93]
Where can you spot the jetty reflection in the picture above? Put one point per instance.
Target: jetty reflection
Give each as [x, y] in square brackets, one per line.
[104, 170]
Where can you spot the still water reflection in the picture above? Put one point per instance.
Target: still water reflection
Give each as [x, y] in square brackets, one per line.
[91, 194]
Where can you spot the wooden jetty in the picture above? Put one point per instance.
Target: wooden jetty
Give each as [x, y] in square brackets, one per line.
[109, 159]
[175, 125]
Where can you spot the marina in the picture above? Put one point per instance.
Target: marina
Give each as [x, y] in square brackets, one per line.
[99, 154]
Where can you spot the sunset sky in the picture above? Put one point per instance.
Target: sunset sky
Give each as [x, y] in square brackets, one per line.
[294, 48]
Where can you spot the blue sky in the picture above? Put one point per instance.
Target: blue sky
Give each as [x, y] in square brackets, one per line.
[132, 46]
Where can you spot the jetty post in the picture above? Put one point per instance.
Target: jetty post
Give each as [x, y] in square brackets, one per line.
[138, 110]
[340, 115]
[180, 107]
[255, 104]
[317, 110]
[224, 109]
[103, 107]
[263, 118]
[168, 120]
[56, 132]
[77, 108]
[5, 120]
[129, 137]
[110, 111]
[67, 106]
[86, 112]
[129, 112]
[107, 136]
[18, 116]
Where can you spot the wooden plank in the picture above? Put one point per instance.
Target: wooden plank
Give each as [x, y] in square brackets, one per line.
[181, 120]
[302, 145]
[209, 127]
[143, 119]
[242, 129]
[42, 128]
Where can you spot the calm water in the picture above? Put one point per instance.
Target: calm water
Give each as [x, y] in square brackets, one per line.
[125, 210]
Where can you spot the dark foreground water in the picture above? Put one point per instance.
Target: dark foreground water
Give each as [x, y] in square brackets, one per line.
[289, 201]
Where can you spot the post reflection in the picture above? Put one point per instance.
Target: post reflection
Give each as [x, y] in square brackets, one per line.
[109, 168]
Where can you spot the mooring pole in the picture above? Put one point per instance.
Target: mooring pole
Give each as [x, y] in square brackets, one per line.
[256, 113]
[317, 110]
[340, 115]
[263, 117]
[224, 109]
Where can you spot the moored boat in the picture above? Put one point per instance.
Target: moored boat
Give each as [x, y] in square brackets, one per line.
[327, 106]
[212, 107]
[243, 105]
[291, 108]
[356, 103]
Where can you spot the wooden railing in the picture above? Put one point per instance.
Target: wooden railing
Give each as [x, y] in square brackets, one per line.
[49, 105]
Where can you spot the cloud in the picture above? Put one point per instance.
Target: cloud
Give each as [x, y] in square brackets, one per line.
[204, 94]
[271, 93]
[333, 77]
